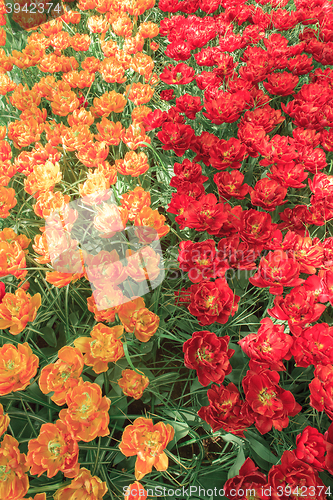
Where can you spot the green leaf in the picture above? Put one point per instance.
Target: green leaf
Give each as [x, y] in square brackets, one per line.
[262, 450]
[73, 318]
[234, 470]
[49, 336]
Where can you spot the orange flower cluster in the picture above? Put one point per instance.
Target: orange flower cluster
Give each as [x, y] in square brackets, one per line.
[63, 375]
[87, 414]
[4, 421]
[147, 441]
[18, 365]
[14, 482]
[16, 310]
[132, 383]
[102, 347]
[138, 319]
[54, 450]
[12, 253]
[135, 491]
[84, 486]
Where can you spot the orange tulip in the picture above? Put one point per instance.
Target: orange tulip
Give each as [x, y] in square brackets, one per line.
[24, 132]
[79, 79]
[109, 48]
[139, 93]
[146, 324]
[91, 64]
[17, 310]
[98, 24]
[50, 63]
[3, 131]
[48, 202]
[149, 29]
[109, 172]
[102, 347]
[110, 219]
[87, 413]
[38, 39]
[87, 4]
[142, 64]
[135, 136]
[34, 53]
[154, 46]
[5, 151]
[93, 153]
[8, 201]
[135, 491]
[38, 496]
[59, 241]
[6, 84]
[104, 6]
[54, 132]
[135, 200]
[126, 313]
[76, 137]
[108, 315]
[138, 319]
[39, 115]
[112, 70]
[18, 365]
[95, 188]
[45, 87]
[109, 131]
[154, 79]
[71, 16]
[139, 113]
[12, 260]
[69, 266]
[63, 375]
[152, 218]
[143, 265]
[9, 235]
[6, 62]
[122, 25]
[134, 44]
[4, 421]
[147, 441]
[2, 37]
[80, 42]
[64, 102]
[133, 164]
[43, 178]
[109, 296]
[108, 103]
[60, 280]
[7, 169]
[14, 482]
[41, 247]
[138, 7]
[80, 116]
[24, 98]
[60, 41]
[132, 383]
[83, 487]
[54, 26]
[54, 450]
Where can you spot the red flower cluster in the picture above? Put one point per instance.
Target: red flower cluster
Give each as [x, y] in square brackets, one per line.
[234, 78]
[209, 356]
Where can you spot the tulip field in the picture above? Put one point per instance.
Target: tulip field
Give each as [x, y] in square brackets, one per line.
[166, 249]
